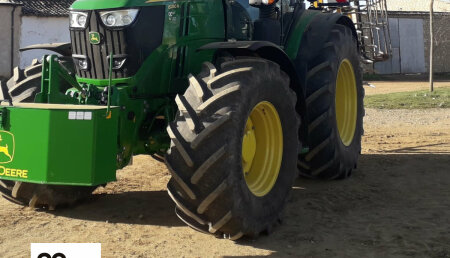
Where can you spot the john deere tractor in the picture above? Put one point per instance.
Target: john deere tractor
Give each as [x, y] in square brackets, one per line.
[234, 96]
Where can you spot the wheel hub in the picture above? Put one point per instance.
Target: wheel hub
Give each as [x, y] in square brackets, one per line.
[248, 146]
[346, 102]
[262, 148]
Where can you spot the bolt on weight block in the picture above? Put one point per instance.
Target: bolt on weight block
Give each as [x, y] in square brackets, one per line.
[58, 144]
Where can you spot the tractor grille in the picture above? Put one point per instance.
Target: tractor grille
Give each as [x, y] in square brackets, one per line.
[135, 43]
[97, 54]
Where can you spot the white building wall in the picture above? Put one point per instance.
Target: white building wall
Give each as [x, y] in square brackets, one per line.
[417, 5]
[39, 30]
[6, 66]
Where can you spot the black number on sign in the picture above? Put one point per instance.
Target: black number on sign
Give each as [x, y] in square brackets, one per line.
[46, 255]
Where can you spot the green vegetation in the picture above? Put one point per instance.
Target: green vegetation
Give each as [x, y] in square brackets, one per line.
[440, 98]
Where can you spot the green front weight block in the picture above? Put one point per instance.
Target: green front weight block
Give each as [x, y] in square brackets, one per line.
[58, 144]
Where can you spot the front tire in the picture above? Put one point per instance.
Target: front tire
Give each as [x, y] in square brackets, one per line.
[218, 134]
[24, 84]
[23, 87]
[43, 196]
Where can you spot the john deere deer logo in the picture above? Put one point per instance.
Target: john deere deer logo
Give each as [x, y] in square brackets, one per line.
[94, 38]
[6, 147]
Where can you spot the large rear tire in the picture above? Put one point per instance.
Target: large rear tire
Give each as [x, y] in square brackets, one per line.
[334, 99]
[226, 179]
[23, 87]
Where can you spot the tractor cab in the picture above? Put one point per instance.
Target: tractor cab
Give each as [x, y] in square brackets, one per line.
[268, 20]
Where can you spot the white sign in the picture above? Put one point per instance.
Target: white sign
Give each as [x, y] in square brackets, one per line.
[66, 250]
[79, 115]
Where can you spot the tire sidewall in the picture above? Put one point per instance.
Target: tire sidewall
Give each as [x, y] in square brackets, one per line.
[349, 154]
[262, 209]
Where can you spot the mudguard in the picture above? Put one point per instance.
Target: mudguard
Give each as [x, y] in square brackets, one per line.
[318, 26]
[64, 49]
[269, 51]
[263, 49]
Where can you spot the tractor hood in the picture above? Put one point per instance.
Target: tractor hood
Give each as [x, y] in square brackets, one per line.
[108, 4]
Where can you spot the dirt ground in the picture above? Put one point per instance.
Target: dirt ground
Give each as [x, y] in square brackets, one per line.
[396, 204]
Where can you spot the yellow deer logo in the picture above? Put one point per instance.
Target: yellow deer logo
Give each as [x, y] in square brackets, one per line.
[5, 149]
[94, 38]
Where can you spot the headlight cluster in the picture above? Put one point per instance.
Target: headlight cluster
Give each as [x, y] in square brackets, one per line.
[116, 18]
[119, 18]
[78, 19]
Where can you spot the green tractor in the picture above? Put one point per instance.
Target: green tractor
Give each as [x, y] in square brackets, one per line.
[235, 97]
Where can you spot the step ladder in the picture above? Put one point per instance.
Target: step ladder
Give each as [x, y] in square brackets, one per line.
[372, 25]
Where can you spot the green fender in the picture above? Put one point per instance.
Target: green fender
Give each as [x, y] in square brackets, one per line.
[64, 49]
[317, 26]
[269, 51]
[263, 49]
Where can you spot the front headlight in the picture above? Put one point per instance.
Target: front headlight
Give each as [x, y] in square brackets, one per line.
[78, 19]
[119, 18]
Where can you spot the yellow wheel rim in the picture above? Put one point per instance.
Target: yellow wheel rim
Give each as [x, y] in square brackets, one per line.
[262, 148]
[346, 102]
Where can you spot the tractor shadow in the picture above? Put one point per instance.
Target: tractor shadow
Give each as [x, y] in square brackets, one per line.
[393, 205]
[135, 208]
